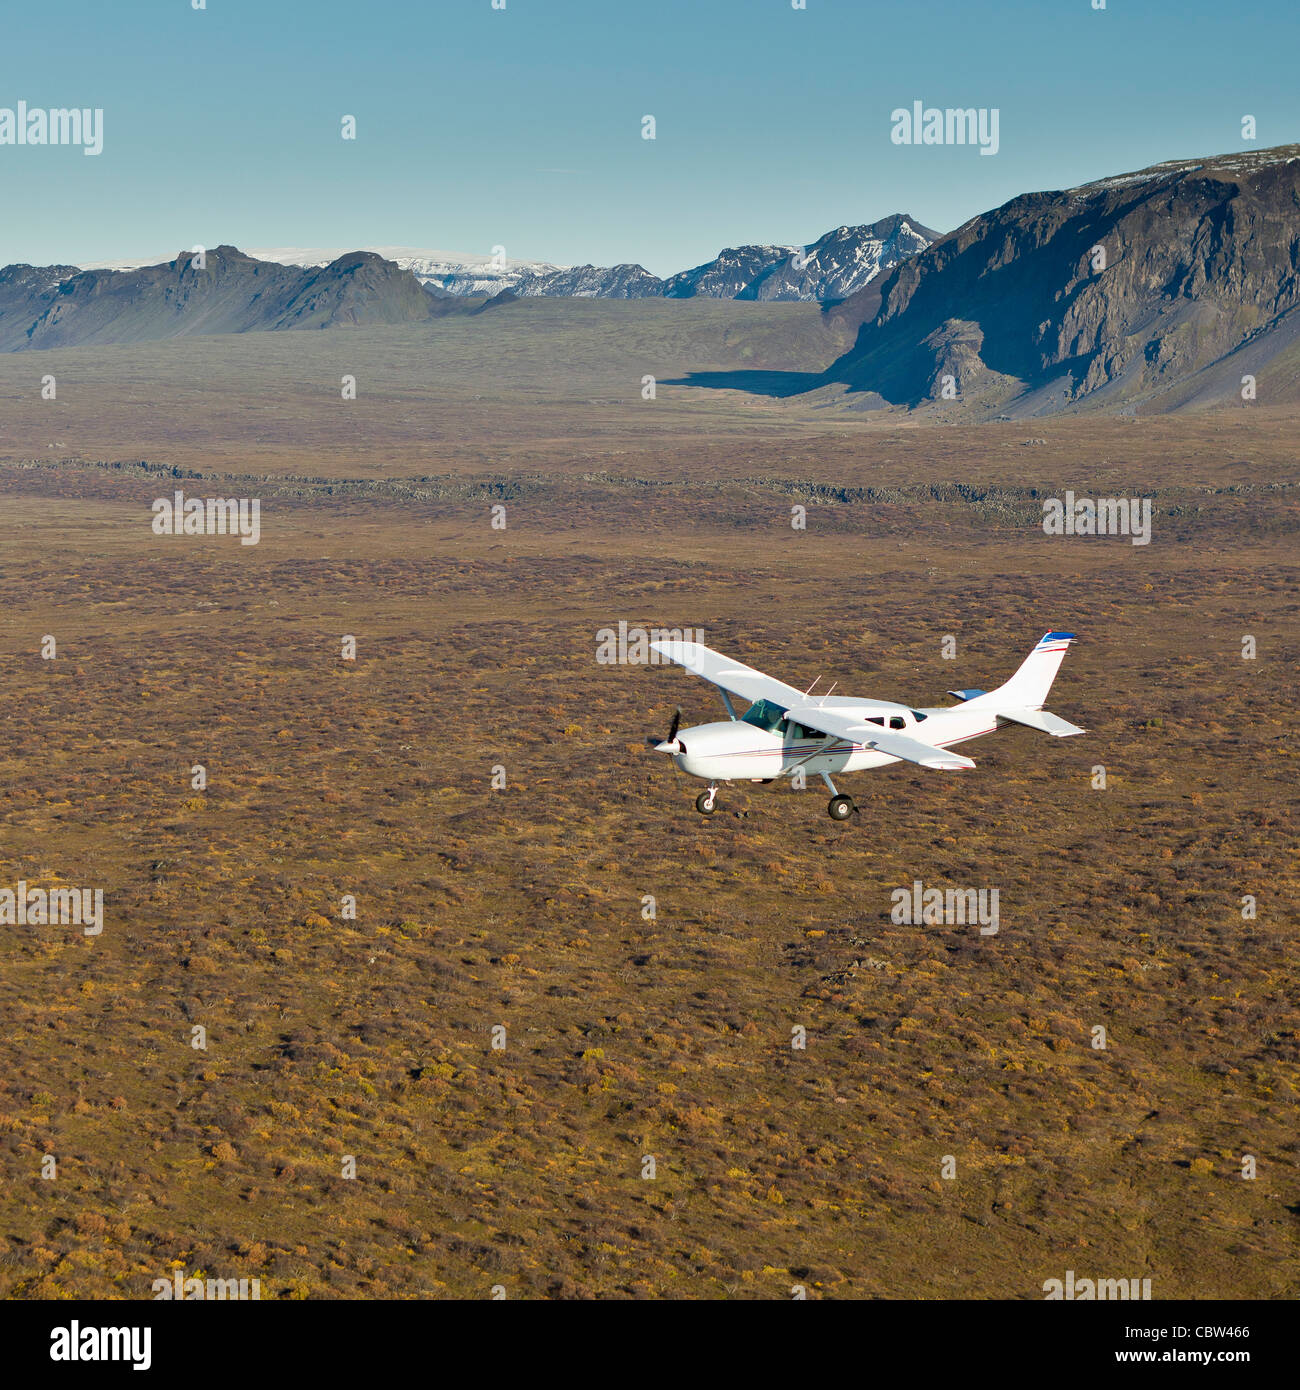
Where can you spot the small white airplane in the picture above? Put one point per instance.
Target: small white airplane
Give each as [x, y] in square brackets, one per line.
[785, 729]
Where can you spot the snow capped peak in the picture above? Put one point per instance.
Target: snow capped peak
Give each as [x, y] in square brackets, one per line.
[456, 272]
[832, 267]
[452, 272]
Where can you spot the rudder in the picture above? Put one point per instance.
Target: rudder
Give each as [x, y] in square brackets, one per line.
[1028, 688]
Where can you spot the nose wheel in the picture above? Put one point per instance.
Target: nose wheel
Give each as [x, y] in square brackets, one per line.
[707, 802]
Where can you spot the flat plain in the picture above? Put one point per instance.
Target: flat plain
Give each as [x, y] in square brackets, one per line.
[629, 1036]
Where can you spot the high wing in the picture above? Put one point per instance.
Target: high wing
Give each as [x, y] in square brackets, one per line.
[852, 728]
[731, 675]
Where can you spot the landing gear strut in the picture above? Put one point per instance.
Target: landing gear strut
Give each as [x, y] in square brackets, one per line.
[839, 807]
[707, 802]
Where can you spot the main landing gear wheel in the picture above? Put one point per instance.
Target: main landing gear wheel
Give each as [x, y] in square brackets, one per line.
[841, 807]
[707, 802]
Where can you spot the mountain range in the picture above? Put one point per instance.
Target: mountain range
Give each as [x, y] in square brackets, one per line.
[1159, 288]
[1171, 286]
[231, 291]
[833, 267]
[226, 292]
[458, 273]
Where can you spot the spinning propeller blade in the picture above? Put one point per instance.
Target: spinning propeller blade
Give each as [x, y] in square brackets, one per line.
[669, 744]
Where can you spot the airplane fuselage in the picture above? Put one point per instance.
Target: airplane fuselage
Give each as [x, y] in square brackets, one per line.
[739, 751]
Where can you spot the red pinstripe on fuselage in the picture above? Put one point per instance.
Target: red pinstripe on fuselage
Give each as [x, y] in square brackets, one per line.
[729, 751]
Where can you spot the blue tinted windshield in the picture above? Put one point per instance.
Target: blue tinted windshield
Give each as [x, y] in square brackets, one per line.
[765, 715]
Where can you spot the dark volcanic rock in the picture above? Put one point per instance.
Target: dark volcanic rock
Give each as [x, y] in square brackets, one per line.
[357, 289]
[728, 274]
[230, 293]
[25, 292]
[1129, 288]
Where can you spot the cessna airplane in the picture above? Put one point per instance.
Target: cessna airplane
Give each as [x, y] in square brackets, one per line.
[785, 729]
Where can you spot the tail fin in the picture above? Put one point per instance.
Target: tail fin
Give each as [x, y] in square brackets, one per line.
[1028, 688]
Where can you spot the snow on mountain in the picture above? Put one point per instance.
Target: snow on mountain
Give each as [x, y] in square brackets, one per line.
[729, 274]
[833, 267]
[453, 272]
[624, 281]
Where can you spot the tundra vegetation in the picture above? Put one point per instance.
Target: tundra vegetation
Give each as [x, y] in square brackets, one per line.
[370, 1038]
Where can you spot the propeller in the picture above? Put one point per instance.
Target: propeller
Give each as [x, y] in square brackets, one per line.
[670, 744]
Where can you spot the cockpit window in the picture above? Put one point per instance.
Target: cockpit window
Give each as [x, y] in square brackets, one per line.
[764, 715]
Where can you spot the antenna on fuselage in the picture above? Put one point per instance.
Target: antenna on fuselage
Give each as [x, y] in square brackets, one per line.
[809, 691]
[833, 685]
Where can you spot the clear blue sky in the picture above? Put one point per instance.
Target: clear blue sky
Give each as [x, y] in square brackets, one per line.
[478, 127]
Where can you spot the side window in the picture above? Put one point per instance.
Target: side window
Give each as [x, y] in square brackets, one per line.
[877, 720]
[897, 721]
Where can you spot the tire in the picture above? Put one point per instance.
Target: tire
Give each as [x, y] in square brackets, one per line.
[840, 807]
[705, 805]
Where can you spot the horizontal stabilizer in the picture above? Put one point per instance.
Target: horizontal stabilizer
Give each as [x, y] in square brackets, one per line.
[965, 694]
[1041, 720]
